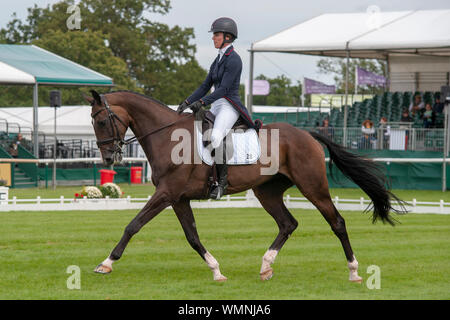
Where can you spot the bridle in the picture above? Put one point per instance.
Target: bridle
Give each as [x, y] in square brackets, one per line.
[116, 139]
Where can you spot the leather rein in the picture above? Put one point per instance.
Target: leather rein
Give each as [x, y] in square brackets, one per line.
[116, 139]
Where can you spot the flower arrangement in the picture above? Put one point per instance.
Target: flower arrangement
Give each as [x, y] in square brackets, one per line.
[89, 192]
[110, 190]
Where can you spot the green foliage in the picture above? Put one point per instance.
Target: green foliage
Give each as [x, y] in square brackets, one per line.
[338, 68]
[115, 39]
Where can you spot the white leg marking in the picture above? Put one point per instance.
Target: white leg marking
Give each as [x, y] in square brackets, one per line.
[108, 262]
[268, 259]
[214, 266]
[353, 267]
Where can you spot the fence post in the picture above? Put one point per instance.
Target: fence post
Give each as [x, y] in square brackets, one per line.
[95, 173]
[13, 168]
[46, 175]
[61, 200]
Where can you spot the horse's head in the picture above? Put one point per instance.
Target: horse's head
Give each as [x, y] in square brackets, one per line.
[110, 124]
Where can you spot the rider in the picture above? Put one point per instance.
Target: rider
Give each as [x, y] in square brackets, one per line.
[225, 75]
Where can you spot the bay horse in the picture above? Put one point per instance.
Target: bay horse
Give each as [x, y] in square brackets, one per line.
[301, 162]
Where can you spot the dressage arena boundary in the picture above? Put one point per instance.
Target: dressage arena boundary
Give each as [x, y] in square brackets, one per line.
[247, 201]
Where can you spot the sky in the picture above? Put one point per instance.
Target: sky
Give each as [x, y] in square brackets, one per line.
[256, 20]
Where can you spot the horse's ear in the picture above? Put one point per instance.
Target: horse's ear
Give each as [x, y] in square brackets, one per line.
[96, 97]
[88, 98]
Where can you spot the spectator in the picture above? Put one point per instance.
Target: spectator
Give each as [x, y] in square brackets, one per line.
[368, 136]
[438, 106]
[385, 131]
[417, 105]
[14, 146]
[326, 129]
[405, 116]
[428, 116]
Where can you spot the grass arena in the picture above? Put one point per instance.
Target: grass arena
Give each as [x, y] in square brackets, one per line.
[411, 258]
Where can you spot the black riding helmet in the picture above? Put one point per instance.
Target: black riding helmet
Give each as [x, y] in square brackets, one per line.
[225, 25]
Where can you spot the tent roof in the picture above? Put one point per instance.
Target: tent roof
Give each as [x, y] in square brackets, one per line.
[364, 35]
[29, 64]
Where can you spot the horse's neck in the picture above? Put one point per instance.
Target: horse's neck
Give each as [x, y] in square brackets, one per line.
[147, 116]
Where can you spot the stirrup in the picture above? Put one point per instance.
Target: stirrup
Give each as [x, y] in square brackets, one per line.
[217, 193]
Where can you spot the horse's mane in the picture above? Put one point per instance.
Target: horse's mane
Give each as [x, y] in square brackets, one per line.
[143, 96]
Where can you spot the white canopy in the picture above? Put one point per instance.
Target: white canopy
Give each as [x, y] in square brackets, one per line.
[365, 35]
[12, 75]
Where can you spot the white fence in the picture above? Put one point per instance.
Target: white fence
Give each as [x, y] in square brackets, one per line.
[247, 201]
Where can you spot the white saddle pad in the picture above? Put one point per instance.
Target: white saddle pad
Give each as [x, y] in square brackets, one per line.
[246, 148]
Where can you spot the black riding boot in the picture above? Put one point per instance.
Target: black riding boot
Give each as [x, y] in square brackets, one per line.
[219, 191]
[222, 174]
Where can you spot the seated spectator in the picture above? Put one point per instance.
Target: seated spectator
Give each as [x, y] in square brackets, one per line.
[428, 116]
[326, 129]
[368, 136]
[417, 105]
[405, 116]
[14, 146]
[385, 132]
[438, 106]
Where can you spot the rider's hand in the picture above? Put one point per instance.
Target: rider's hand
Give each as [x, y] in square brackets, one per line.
[183, 106]
[197, 105]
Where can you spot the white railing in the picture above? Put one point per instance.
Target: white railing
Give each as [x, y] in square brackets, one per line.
[247, 201]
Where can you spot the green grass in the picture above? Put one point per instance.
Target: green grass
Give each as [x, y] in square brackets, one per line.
[144, 190]
[36, 248]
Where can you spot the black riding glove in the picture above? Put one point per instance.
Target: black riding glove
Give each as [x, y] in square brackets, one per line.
[183, 106]
[196, 106]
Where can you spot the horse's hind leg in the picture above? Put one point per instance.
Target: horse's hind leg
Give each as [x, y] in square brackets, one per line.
[312, 182]
[270, 195]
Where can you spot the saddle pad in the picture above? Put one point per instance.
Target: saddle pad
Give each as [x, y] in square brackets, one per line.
[246, 148]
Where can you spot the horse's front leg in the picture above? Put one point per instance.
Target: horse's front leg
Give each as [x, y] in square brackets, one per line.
[158, 202]
[184, 213]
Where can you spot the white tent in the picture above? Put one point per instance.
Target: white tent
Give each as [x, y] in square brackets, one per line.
[423, 34]
[365, 35]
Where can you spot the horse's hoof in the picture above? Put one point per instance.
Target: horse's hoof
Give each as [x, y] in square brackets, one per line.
[222, 278]
[356, 280]
[266, 275]
[103, 269]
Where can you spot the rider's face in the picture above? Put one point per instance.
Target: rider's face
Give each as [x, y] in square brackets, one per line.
[217, 39]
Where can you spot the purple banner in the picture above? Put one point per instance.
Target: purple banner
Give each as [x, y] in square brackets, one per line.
[313, 86]
[369, 78]
[261, 87]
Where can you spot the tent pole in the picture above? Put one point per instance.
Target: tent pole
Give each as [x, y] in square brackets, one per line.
[35, 121]
[250, 84]
[444, 163]
[346, 97]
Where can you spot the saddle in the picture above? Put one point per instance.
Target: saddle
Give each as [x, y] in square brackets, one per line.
[208, 118]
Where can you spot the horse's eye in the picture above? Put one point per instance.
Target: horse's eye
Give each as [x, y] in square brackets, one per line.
[101, 123]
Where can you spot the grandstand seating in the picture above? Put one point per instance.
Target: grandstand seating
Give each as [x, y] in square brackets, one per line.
[388, 104]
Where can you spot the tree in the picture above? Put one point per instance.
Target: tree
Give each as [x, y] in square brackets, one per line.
[117, 40]
[338, 68]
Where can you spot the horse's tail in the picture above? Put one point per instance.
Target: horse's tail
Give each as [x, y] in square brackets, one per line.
[367, 175]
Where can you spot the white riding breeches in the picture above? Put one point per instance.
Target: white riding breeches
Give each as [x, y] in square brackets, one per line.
[226, 116]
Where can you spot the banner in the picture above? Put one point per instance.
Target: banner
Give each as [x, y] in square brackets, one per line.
[260, 87]
[313, 86]
[369, 78]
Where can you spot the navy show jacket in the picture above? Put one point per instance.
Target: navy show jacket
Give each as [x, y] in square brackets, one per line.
[225, 75]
